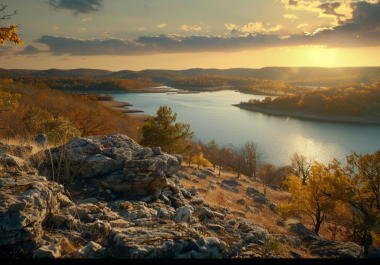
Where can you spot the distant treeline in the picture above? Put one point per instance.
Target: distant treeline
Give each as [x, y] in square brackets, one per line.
[86, 83]
[244, 84]
[360, 101]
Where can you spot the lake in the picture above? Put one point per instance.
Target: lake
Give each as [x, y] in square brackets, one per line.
[212, 116]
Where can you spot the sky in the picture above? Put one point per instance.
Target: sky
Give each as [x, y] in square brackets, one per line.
[181, 34]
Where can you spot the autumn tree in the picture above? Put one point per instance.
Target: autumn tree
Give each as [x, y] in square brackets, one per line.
[300, 167]
[267, 174]
[251, 159]
[200, 160]
[210, 150]
[191, 151]
[311, 198]
[8, 33]
[358, 184]
[163, 130]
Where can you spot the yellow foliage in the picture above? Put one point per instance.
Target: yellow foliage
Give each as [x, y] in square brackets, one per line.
[10, 34]
[200, 160]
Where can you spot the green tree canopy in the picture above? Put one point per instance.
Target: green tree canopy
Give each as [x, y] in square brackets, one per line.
[163, 130]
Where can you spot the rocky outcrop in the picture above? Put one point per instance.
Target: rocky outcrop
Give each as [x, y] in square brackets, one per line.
[103, 197]
[115, 163]
[25, 202]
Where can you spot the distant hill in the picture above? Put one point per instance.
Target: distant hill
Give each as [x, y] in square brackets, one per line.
[295, 75]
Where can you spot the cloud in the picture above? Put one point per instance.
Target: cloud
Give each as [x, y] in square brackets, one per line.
[362, 30]
[77, 6]
[289, 16]
[161, 26]
[252, 28]
[300, 26]
[191, 28]
[29, 50]
[339, 10]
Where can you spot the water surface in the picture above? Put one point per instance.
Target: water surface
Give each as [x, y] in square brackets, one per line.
[212, 116]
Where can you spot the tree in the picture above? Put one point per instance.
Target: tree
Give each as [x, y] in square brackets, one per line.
[8, 33]
[358, 185]
[267, 174]
[311, 198]
[301, 167]
[251, 159]
[200, 160]
[191, 151]
[238, 160]
[163, 130]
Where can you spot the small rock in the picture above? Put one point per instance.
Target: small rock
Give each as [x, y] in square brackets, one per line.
[241, 201]
[212, 187]
[260, 199]
[273, 206]
[92, 251]
[156, 150]
[295, 255]
[215, 227]
[48, 251]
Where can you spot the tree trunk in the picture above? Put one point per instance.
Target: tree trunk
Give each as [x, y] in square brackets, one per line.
[318, 223]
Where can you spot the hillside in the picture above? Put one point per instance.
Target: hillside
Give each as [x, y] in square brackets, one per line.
[117, 199]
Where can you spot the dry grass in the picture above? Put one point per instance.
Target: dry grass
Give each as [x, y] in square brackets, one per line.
[22, 142]
[265, 217]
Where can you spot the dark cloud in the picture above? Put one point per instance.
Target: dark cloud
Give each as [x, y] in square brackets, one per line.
[78, 6]
[330, 9]
[363, 30]
[360, 31]
[29, 50]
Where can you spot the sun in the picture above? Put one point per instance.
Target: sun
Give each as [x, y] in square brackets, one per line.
[322, 56]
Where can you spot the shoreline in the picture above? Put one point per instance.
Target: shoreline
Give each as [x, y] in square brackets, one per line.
[119, 106]
[310, 117]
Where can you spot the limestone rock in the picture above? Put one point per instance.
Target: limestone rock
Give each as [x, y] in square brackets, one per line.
[183, 214]
[93, 251]
[12, 161]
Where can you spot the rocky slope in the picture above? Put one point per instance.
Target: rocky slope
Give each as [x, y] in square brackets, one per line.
[102, 197]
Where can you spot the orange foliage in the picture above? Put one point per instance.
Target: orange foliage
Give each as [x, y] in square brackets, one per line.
[9, 34]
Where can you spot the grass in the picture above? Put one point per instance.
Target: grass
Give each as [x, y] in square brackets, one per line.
[265, 217]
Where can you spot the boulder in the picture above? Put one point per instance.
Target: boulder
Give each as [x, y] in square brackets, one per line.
[300, 230]
[231, 182]
[12, 161]
[25, 203]
[332, 249]
[229, 188]
[183, 214]
[251, 191]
